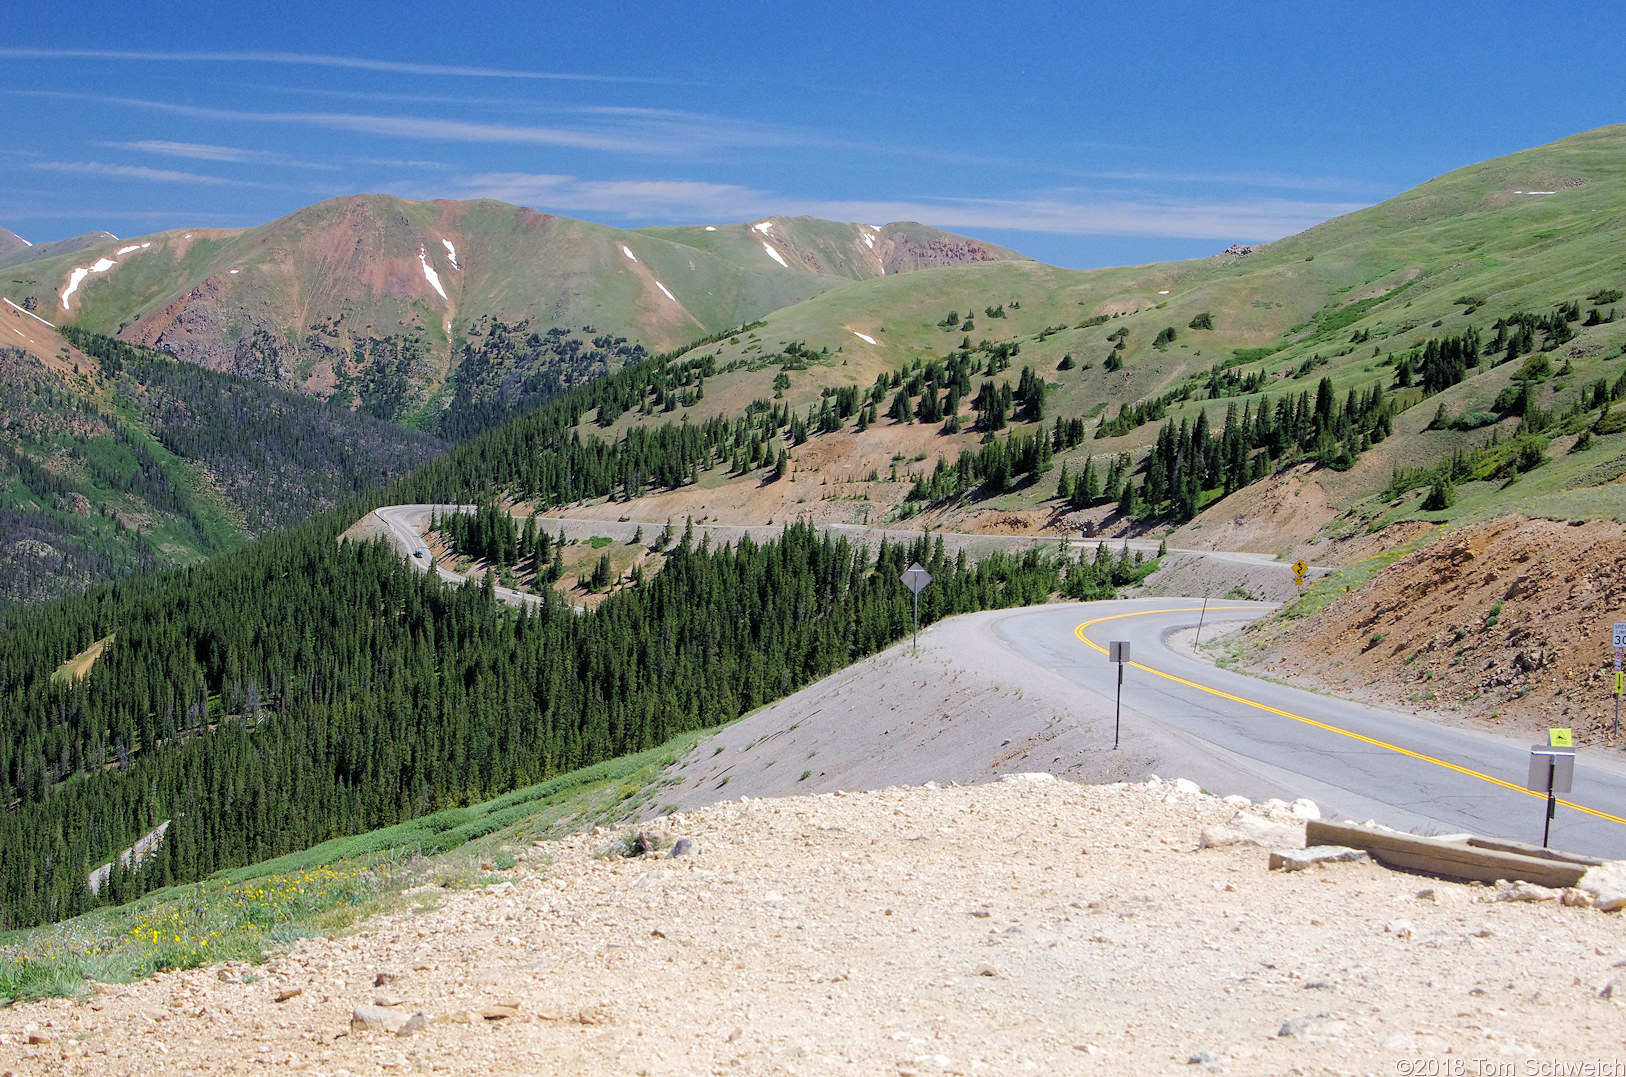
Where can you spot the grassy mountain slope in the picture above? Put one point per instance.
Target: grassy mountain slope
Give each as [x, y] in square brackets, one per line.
[11, 243]
[14, 250]
[1456, 253]
[292, 300]
[116, 460]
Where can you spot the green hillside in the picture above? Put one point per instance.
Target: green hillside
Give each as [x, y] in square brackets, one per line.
[129, 461]
[1350, 301]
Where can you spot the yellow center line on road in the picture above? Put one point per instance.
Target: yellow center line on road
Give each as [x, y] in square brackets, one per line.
[1470, 772]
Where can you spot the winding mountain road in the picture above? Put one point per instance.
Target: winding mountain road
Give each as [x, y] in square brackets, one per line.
[1361, 761]
[1242, 733]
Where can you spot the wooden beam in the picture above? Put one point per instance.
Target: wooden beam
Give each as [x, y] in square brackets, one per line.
[1451, 859]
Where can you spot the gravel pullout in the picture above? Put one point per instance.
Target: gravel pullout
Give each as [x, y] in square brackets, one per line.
[1024, 926]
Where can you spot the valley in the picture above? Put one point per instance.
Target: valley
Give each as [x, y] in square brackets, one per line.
[379, 518]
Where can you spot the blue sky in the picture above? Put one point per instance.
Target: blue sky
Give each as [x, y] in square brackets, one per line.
[1081, 134]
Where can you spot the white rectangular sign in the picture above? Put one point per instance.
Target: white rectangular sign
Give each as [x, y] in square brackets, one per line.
[1620, 634]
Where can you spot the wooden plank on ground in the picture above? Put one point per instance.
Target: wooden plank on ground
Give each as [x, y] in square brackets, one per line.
[1451, 859]
[1506, 845]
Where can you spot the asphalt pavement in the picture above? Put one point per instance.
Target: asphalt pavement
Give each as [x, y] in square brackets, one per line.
[1356, 761]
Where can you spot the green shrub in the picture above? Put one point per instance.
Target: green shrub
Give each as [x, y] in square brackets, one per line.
[1441, 495]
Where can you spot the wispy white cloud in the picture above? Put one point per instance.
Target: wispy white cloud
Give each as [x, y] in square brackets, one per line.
[311, 60]
[632, 132]
[135, 172]
[198, 152]
[1243, 220]
[632, 199]
[1067, 213]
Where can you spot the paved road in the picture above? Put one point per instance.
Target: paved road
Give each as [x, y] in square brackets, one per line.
[405, 524]
[1249, 735]
[1358, 761]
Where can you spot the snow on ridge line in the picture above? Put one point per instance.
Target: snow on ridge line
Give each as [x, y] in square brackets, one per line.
[762, 227]
[133, 247]
[865, 337]
[429, 273]
[669, 295]
[776, 256]
[20, 310]
[709, 228]
[628, 252]
[25, 242]
[451, 253]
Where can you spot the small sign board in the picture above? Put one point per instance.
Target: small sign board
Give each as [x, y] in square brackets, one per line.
[1560, 738]
[1620, 683]
[916, 578]
[1620, 635]
[1300, 568]
[1551, 764]
[1118, 651]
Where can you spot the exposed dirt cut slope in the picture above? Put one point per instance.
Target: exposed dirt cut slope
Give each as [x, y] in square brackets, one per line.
[1505, 623]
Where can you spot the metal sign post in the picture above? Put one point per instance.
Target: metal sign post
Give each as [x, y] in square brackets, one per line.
[916, 578]
[1620, 648]
[1197, 640]
[1118, 651]
[1552, 771]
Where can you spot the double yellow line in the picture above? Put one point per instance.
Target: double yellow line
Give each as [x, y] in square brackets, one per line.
[1469, 771]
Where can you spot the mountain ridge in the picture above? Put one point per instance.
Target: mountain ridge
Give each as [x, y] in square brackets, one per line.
[289, 300]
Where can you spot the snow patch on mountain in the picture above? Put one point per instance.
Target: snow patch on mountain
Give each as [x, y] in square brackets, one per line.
[451, 253]
[865, 337]
[429, 273]
[762, 226]
[776, 256]
[628, 252]
[133, 247]
[669, 295]
[102, 265]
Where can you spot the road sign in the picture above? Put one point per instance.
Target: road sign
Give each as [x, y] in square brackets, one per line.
[916, 578]
[1298, 580]
[1552, 771]
[1118, 651]
[1620, 634]
[1300, 568]
[1554, 764]
[1620, 682]
[1560, 738]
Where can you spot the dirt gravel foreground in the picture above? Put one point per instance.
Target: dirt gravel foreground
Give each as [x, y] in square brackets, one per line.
[1029, 925]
